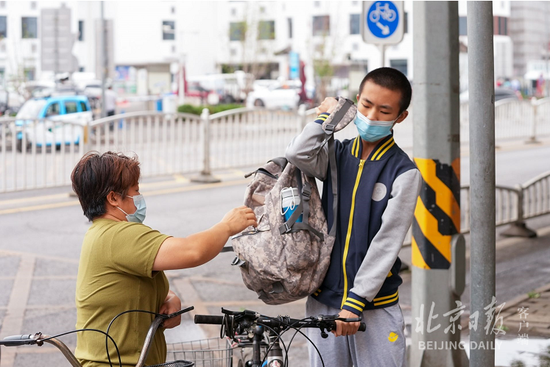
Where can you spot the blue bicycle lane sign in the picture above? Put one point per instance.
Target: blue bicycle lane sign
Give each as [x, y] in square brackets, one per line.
[382, 22]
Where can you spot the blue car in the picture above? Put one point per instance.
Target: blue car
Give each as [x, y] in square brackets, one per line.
[47, 121]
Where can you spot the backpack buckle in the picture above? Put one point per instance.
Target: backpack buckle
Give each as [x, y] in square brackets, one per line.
[287, 228]
[306, 192]
[329, 128]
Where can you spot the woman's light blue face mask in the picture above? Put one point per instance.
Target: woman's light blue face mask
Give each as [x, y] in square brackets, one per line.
[371, 130]
[141, 209]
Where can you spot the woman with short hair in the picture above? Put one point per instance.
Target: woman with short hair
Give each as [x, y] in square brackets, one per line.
[122, 261]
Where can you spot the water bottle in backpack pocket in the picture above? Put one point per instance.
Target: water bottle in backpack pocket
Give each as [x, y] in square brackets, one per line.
[290, 199]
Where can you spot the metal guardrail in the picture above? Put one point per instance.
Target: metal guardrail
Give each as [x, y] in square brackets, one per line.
[185, 143]
[513, 205]
[38, 153]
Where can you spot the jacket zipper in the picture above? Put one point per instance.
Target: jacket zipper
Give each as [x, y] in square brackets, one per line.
[348, 235]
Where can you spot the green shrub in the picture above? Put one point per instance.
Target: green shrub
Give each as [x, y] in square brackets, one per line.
[197, 110]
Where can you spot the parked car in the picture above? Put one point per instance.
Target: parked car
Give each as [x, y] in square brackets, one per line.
[274, 94]
[35, 120]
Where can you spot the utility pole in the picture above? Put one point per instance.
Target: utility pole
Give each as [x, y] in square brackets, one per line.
[103, 60]
[482, 181]
[438, 250]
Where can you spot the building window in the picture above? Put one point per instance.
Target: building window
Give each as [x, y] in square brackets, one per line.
[3, 27]
[29, 73]
[233, 11]
[266, 30]
[33, 48]
[316, 4]
[354, 23]
[500, 26]
[33, 5]
[233, 52]
[262, 9]
[81, 30]
[289, 21]
[29, 28]
[173, 10]
[2, 4]
[321, 25]
[400, 65]
[168, 30]
[462, 26]
[237, 31]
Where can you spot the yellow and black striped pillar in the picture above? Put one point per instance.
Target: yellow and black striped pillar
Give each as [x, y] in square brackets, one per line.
[437, 214]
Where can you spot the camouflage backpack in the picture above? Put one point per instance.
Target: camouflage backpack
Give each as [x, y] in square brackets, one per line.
[283, 261]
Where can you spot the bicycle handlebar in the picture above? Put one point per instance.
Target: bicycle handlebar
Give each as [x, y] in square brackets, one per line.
[209, 319]
[237, 321]
[17, 340]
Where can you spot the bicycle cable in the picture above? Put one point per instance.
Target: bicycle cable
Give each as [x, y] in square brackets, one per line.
[111, 323]
[277, 339]
[299, 330]
[107, 337]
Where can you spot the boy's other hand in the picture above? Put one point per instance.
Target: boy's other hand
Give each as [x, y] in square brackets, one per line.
[328, 105]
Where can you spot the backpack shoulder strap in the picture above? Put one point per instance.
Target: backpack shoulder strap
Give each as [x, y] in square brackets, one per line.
[329, 131]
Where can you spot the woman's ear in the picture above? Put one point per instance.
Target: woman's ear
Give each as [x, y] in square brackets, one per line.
[112, 198]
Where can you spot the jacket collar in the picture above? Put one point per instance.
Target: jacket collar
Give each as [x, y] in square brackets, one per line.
[378, 152]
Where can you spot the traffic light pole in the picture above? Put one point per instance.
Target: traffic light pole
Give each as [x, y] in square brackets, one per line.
[482, 180]
[438, 254]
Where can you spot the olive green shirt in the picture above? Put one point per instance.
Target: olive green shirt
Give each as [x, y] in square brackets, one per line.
[116, 274]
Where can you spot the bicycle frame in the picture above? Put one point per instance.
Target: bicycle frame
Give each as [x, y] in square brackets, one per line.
[39, 339]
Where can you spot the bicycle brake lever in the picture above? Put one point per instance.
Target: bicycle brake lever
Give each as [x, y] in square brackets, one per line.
[177, 313]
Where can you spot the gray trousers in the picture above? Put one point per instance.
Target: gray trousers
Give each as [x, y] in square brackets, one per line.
[382, 344]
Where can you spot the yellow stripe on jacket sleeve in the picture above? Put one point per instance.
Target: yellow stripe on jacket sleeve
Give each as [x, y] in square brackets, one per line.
[353, 306]
[386, 302]
[355, 301]
[385, 297]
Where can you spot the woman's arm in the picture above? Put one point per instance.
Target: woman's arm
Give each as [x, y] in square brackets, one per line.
[199, 248]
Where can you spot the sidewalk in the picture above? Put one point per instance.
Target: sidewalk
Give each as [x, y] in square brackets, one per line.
[528, 315]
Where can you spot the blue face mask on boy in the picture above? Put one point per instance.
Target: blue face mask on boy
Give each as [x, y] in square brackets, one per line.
[141, 209]
[371, 130]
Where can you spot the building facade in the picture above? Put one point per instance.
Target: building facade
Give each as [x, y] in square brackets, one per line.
[149, 43]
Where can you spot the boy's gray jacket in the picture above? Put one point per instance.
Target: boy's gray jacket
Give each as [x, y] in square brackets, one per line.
[376, 201]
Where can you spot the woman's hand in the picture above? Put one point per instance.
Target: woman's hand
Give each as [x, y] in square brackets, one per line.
[328, 105]
[171, 304]
[238, 219]
[346, 328]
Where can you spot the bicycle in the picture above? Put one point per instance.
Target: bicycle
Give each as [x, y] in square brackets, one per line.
[206, 355]
[383, 11]
[250, 329]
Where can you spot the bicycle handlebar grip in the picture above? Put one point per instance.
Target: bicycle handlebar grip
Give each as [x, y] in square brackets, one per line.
[16, 340]
[208, 319]
[362, 327]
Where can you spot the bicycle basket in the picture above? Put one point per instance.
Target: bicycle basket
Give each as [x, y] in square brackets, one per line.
[214, 352]
[175, 364]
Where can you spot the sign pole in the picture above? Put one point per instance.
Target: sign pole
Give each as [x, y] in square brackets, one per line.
[482, 180]
[382, 49]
